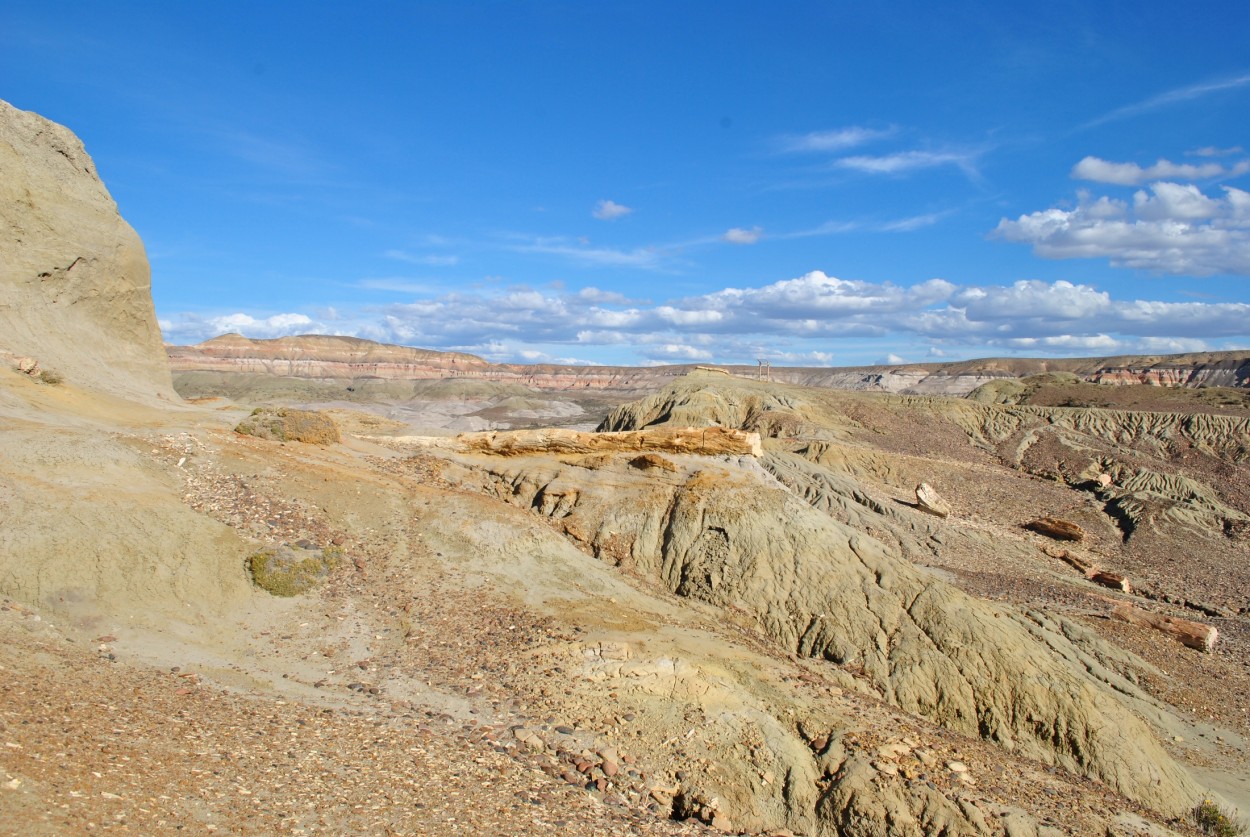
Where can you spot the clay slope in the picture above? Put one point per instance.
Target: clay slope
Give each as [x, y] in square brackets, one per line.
[74, 280]
[1160, 499]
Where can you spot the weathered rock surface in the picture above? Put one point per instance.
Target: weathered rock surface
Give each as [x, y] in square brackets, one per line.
[75, 288]
[729, 536]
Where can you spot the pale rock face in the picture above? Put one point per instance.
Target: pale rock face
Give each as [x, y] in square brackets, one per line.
[75, 287]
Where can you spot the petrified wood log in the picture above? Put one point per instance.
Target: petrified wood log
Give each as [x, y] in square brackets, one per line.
[930, 501]
[1113, 580]
[1192, 634]
[1053, 527]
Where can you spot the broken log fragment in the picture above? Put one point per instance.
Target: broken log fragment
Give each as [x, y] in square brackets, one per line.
[928, 500]
[1188, 633]
[1075, 561]
[1053, 527]
[1113, 580]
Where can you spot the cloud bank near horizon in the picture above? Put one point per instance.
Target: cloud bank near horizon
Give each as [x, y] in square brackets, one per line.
[814, 319]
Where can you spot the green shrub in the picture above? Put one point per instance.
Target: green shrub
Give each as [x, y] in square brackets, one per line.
[290, 571]
[1212, 820]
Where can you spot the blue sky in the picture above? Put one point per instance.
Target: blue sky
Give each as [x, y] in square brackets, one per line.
[812, 183]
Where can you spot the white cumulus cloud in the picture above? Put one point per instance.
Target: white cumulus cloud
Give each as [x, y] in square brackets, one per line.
[1098, 170]
[1171, 228]
[808, 319]
[610, 210]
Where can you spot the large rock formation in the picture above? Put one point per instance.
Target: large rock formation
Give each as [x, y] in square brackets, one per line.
[91, 521]
[74, 280]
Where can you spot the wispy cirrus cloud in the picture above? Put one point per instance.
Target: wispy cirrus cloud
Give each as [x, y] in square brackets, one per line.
[1097, 170]
[905, 162]
[1171, 97]
[738, 235]
[650, 258]
[837, 139]
[1212, 151]
[427, 259]
[839, 227]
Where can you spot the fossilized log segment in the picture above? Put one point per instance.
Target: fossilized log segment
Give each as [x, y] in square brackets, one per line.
[707, 441]
[928, 500]
[1054, 527]
[1188, 633]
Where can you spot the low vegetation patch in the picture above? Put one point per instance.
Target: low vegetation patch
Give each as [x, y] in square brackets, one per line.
[290, 571]
[51, 376]
[1212, 820]
[280, 424]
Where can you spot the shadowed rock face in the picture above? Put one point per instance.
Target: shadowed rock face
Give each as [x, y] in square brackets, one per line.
[75, 288]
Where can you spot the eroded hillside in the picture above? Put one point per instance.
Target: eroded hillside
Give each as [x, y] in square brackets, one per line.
[729, 610]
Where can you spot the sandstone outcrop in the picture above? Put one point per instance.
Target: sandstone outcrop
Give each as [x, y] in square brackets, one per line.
[75, 287]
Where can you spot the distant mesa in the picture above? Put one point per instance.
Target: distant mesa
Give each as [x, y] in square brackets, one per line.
[994, 380]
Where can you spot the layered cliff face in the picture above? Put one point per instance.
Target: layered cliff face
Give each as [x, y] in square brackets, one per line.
[75, 290]
[346, 359]
[229, 365]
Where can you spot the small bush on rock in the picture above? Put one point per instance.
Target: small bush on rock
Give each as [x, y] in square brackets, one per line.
[284, 425]
[290, 571]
